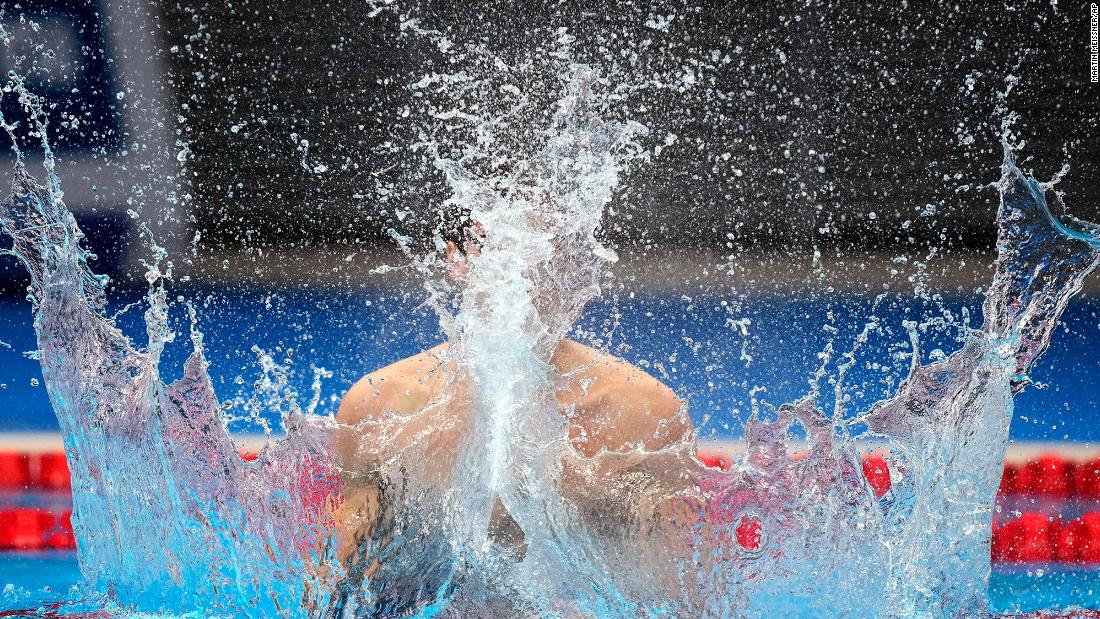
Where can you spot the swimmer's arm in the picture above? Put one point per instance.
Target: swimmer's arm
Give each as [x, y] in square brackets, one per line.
[630, 438]
[668, 421]
[356, 518]
[377, 395]
[360, 444]
[637, 415]
[403, 388]
[357, 527]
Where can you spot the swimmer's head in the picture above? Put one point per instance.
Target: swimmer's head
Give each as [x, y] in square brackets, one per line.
[454, 225]
[461, 234]
[462, 238]
[559, 259]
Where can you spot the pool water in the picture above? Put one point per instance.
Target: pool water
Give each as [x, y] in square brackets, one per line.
[963, 454]
[35, 578]
[35, 572]
[351, 334]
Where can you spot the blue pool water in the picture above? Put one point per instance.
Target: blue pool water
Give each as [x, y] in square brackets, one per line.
[45, 577]
[684, 341]
[350, 334]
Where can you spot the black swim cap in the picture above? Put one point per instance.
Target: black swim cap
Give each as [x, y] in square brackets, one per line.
[455, 226]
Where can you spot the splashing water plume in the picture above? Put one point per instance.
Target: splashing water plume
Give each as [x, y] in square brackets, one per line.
[168, 517]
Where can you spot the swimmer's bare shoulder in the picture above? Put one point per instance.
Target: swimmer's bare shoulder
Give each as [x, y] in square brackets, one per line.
[612, 404]
[404, 387]
[616, 406]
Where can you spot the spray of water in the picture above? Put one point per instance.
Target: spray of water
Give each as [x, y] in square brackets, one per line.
[168, 517]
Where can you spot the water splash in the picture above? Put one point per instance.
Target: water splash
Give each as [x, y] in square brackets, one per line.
[124, 427]
[169, 517]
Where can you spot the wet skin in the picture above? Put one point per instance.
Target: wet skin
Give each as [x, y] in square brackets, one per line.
[609, 406]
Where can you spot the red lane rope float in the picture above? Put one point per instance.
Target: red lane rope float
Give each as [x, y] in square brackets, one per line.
[1033, 537]
[875, 468]
[1078, 541]
[59, 535]
[52, 472]
[15, 471]
[39, 472]
[1049, 475]
[877, 472]
[1028, 539]
[1038, 538]
[1087, 482]
[714, 460]
[750, 532]
[24, 528]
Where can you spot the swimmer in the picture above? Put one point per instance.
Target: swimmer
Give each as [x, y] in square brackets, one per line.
[609, 406]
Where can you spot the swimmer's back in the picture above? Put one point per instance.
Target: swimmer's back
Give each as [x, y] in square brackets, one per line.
[609, 403]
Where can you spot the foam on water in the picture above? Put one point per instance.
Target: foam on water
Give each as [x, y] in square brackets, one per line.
[168, 517]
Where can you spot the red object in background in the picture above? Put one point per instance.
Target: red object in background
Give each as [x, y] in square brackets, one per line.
[714, 460]
[15, 471]
[998, 543]
[1079, 540]
[1024, 540]
[750, 533]
[1050, 475]
[1025, 479]
[25, 528]
[248, 456]
[1067, 541]
[1088, 543]
[22, 529]
[1086, 482]
[59, 532]
[877, 473]
[1008, 479]
[53, 472]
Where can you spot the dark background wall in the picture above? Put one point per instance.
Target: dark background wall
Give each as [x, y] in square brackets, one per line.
[813, 123]
[897, 104]
[782, 127]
